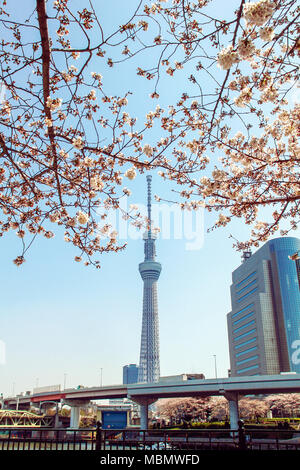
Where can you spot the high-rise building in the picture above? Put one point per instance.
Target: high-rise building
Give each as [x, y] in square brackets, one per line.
[149, 368]
[130, 374]
[264, 323]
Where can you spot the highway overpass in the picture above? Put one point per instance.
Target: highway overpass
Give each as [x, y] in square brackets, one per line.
[231, 388]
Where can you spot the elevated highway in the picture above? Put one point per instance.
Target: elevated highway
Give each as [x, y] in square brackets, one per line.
[232, 388]
[254, 385]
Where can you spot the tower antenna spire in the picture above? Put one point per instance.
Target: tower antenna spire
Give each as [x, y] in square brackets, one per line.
[149, 179]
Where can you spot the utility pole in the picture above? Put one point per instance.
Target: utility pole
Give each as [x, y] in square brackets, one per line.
[216, 374]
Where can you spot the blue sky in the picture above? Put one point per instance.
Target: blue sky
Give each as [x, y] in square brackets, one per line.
[59, 317]
[62, 317]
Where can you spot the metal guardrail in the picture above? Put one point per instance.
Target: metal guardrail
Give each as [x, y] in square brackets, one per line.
[165, 440]
[152, 439]
[199, 439]
[27, 438]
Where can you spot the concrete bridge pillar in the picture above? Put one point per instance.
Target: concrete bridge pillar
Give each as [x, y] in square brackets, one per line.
[144, 416]
[233, 399]
[144, 410]
[76, 405]
[75, 417]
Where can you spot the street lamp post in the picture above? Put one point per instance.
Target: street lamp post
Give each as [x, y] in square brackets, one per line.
[216, 374]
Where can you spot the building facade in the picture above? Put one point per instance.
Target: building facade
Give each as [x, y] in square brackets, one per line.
[264, 323]
[130, 374]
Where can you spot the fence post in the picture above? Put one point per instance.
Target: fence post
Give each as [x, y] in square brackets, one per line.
[242, 437]
[99, 435]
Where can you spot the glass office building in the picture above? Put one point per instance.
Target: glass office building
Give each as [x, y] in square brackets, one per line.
[264, 324]
[130, 374]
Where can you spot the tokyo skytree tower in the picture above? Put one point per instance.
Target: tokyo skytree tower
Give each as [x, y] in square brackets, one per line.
[149, 369]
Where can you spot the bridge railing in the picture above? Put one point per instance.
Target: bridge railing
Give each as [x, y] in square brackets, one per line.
[199, 439]
[32, 438]
[152, 439]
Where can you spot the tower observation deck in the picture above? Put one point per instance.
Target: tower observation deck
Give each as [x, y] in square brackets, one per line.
[149, 369]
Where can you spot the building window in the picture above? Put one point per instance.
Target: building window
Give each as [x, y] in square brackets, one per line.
[247, 286]
[242, 310]
[244, 334]
[246, 279]
[247, 368]
[244, 326]
[246, 360]
[246, 295]
[246, 351]
[243, 318]
[252, 340]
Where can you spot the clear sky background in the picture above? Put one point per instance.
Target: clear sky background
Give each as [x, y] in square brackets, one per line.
[63, 321]
[59, 317]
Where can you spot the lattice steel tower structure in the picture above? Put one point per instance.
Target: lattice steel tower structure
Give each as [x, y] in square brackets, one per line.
[149, 369]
